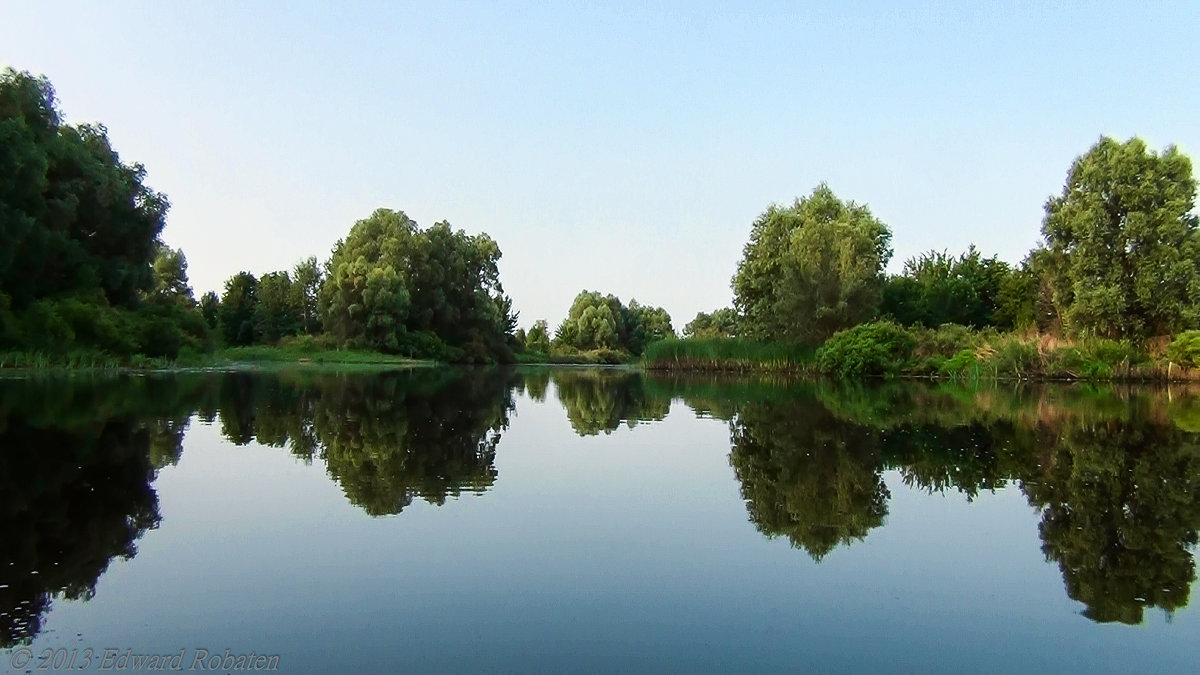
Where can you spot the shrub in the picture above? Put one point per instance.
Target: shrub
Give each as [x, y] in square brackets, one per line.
[880, 349]
[1185, 349]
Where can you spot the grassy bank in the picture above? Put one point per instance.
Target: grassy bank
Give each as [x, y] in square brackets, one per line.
[595, 357]
[229, 357]
[728, 355]
[884, 350]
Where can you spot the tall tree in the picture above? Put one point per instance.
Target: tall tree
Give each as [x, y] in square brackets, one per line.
[171, 279]
[73, 217]
[307, 279]
[811, 269]
[1125, 237]
[238, 309]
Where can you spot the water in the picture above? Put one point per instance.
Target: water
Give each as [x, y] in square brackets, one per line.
[577, 519]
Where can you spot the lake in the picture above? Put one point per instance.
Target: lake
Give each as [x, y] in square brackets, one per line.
[593, 519]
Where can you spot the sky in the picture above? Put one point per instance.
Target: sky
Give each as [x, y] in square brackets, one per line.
[619, 147]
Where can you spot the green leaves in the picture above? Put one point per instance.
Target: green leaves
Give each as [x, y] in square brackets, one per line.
[811, 269]
[1125, 233]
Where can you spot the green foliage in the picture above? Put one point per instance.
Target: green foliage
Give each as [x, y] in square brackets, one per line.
[722, 323]
[1185, 349]
[727, 355]
[73, 217]
[170, 278]
[238, 305]
[937, 288]
[601, 322]
[1124, 240]
[538, 339]
[307, 279]
[880, 349]
[388, 279]
[210, 309]
[811, 269]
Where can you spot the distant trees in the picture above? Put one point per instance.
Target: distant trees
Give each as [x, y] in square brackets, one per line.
[811, 269]
[597, 321]
[722, 323]
[937, 288]
[394, 287]
[237, 309]
[1122, 238]
[538, 338]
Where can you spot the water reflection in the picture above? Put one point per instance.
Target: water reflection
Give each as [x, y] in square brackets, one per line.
[1114, 474]
[386, 439]
[75, 487]
[1116, 480]
[600, 400]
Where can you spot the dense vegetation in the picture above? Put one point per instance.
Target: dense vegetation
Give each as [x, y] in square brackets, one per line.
[81, 262]
[85, 279]
[1116, 277]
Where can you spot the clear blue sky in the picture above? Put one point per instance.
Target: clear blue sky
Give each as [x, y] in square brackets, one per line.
[619, 147]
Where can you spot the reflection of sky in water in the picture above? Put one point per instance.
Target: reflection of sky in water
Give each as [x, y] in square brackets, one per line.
[628, 550]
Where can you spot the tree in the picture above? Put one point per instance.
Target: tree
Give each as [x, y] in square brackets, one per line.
[210, 309]
[354, 314]
[170, 278]
[538, 339]
[722, 323]
[307, 279]
[594, 322]
[73, 217]
[937, 288]
[811, 269]
[394, 287]
[238, 309]
[275, 312]
[601, 322]
[1126, 241]
[645, 325]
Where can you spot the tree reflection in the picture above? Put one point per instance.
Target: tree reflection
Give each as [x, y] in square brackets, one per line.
[808, 476]
[1120, 510]
[76, 463]
[1116, 476]
[386, 438]
[601, 400]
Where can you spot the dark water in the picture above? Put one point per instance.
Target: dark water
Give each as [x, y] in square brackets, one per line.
[596, 519]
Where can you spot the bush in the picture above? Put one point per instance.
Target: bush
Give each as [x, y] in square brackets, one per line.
[880, 349]
[1184, 350]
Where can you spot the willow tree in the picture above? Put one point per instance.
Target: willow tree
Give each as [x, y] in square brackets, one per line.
[811, 269]
[1124, 237]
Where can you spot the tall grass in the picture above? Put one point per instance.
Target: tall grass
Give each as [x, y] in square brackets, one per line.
[724, 354]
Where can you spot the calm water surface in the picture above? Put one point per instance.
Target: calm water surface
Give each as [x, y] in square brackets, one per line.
[597, 519]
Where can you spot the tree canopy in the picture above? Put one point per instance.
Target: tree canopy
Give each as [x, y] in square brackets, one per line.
[1123, 238]
[598, 321]
[811, 269]
[392, 286]
[73, 216]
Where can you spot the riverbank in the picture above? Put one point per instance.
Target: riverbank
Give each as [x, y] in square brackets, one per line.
[883, 350]
[228, 357]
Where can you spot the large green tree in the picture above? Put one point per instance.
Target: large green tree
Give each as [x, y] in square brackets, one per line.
[238, 305]
[811, 269]
[1124, 237]
[73, 216]
[391, 286]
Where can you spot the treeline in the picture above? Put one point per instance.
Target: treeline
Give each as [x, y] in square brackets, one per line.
[81, 262]
[389, 286]
[598, 329]
[1118, 265]
[85, 277]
